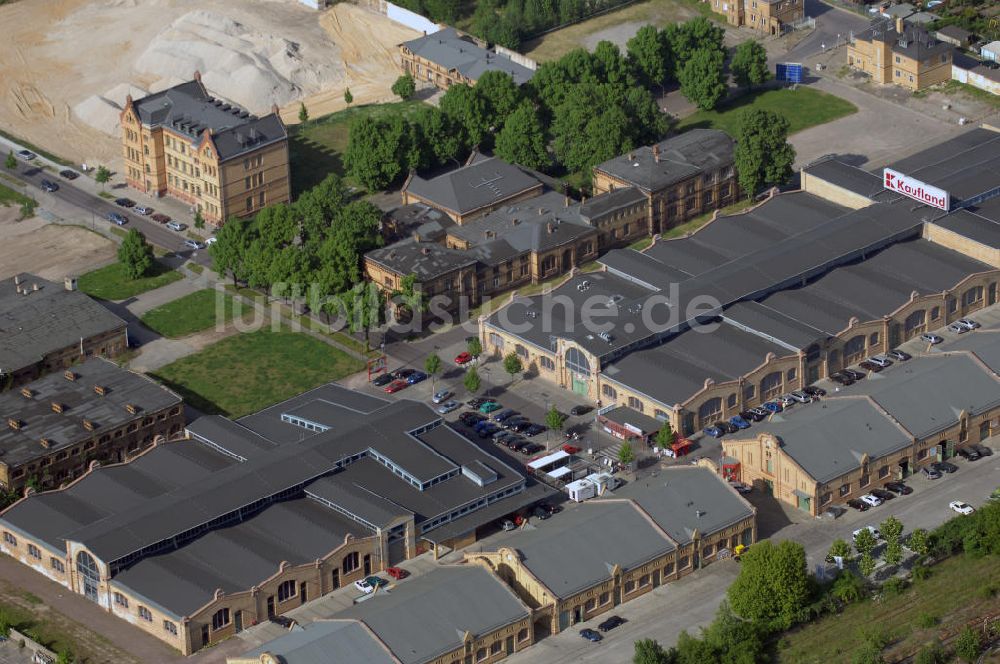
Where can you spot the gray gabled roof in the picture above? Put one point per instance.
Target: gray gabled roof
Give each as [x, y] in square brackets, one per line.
[326, 641]
[429, 615]
[680, 157]
[426, 260]
[972, 226]
[473, 186]
[46, 320]
[450, 49]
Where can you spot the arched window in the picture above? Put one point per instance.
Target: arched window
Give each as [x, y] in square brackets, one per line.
[972, 296]
[546, 363]
[351, 562]
[791, 374]
[89, 573]
[609, 391]
[770, 385]
[521, 351]
[710, 411]
[220, 619]
[914, 324]
[731, 401]
[854, 349]
[812, 353]
[635, 404]
[577, 362]
[660, 415]
[286, 590]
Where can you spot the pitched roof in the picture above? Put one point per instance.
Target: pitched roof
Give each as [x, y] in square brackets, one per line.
[451, 49]
[324, 641]
[680, 157]
[426, 260]
[472, 187]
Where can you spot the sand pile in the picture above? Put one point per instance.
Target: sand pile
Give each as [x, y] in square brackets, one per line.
[255, 69]
[102, 112]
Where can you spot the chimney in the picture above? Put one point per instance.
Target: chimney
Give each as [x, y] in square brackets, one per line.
[100, 390]
[27, 392]
[426, 251]
[515, 221]
[197, 75]
[69, 375]
[14, 423]
[17, 280]
[57, 407]
[566, 202]
[631, 156]
[131, 408]
[34, 286]
[45, 442]
[656, 153]
[900, 27]
[69, 283]
[89, 425]
[550, 228]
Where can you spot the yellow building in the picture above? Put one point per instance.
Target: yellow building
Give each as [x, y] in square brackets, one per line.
[448, 57]
[215, 156]
[770, 17]
[901, 54]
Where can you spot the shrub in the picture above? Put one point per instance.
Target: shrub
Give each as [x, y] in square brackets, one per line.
[894, 586]
[926, 620]
[930, 654]
[968, 645]
[921, 573]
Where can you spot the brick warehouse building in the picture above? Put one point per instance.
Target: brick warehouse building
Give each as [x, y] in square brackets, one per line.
[809, 282]
[46, 327]
[58, 425]
[215, 156]
[299, 499]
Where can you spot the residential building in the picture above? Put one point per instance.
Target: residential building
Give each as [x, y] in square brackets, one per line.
[887, 429]
[954, 35]
[769, 17]
[47, 327]
[588, 560]
[681, 177]
[456, 613]
[797, 288]
[447, 57]
[220, 159]
[990, 51]
[298, 499]
[900, 53]
[58, 425]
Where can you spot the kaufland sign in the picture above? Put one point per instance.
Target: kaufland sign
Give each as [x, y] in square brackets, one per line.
[915, 189]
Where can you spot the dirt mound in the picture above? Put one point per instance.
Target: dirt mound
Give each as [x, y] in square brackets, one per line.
[102, 112]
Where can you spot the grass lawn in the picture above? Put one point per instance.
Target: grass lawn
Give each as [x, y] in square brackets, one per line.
[189, 314]
[245, 372]
[317, 146]
[803, 108]
[109, 283]
[952, 595]
[953, 87]
[34, 148]
[10, 197]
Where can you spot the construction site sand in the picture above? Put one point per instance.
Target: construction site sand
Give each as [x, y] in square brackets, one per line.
[66, 65]
[48, 250]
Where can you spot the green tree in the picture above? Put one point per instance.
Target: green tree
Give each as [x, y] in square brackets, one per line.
[848, 587]
[444, 138]
[554, 419]
[839, 548]
[649, 55]
[135, 255]
[919, 542]
[892, 531]
[522, 139]
[303, 112]
[102, 176]
[500, 95]
[968, 645]
[749, 64]
[612, 65]
[649, 651]
[665, 437]
[694, 35]
[931, 654]
[864, 541]
[404, 87]
[472, 381]
[734, 640]
[199, 220]
[702, 79]
[763, 155]
[512, 365]
[866, 564]
[474, 347]
[376, 150]
[773, 585]
[11, 161]
[470, 111]
[229, 251]
[432, 365]
[348, 97]
[626, 454]
[364, 309]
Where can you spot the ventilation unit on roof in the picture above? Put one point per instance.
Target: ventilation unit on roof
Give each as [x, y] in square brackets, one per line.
[27, 392]
[131, 408]
[100, 390]
[89, 425]
[45, 442]
[532, 314]
[57, 407]
[606, 337]
[14, 423]
[69, 375]
[615, 299]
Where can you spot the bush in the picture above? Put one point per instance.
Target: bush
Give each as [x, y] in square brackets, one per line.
[968, 645]
[988, 591]
[921, 573]
[926, 620]
[930, 654]
[894, 586]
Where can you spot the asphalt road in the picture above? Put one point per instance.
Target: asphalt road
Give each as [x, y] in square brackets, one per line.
[833, 27]
[98, 207]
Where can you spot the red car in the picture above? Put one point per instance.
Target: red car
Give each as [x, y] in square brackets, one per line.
[463, 358]
[397, 572]
[570, 449]
[395, 386]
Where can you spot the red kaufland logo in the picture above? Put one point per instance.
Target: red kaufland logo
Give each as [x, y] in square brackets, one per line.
[915, 189]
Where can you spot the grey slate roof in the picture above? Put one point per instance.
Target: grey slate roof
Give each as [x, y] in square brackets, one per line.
[970, 225]
[609, 201]
[188, 109]
[984, 344]
[683, 499]
[954, 32]
[80, 402]
[624, 415]
[772, 324]
[846, 176]
[47, 320]
[428, 615]
[325, 641]
[681, 156]
[427, 260]
[452, 50]
[580, 547]
[473, 186]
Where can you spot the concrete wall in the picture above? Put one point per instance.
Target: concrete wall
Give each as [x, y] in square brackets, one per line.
[831, 192]
[410, 19]
[960, 243]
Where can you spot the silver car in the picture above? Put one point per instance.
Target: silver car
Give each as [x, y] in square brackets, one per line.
[447, 407]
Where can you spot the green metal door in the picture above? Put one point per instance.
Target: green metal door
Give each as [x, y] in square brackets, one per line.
[580, 386]
[804, 504]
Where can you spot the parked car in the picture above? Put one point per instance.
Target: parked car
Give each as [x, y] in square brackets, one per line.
[125, 202]
[534, 430]
[872, 500]
[957, 328]
[591, 635]
[382, 380]
[160, 218]
[968, 453]
[403, 374]
[507, 524]
[27, 155]
[484, 423]
[801, 397]
[883, 495]
[814, 391]
[476, 402]
[487, 430]
[395, 386]
[504, 414]
[447, 407]
[512, 423]
[68, 174]
[714, 431]
[759, 414]
[49, 185]
[786, 400]
[880, 361]
[176, 226]
[749, 416]
[500, 435]
[117, 219]
[610, 623]
[870, 366]
[858, 505]
[442, 395]
[210, 241]
[855, 374]
[872, 529]
[961, 507]
[772, 407]
[522, 427]
[284, 621]
[842, 378]
[549, 507]
[931, 338]
[489, 407]
[397, 572]
[143, 210]
[580, 410]
[982, 449]
[193, 244]
[570, 449]
[416, 377]
[899, 488]
[463, 358]
[469, 418]
[531, 448]
[968, 323]
[739, 422]
[741, 487]
[539, 513]
[369, 584]
[899, 355]
[930, 473]
[944, 467]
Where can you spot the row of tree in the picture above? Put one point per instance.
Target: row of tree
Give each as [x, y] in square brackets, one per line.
[511, 22]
